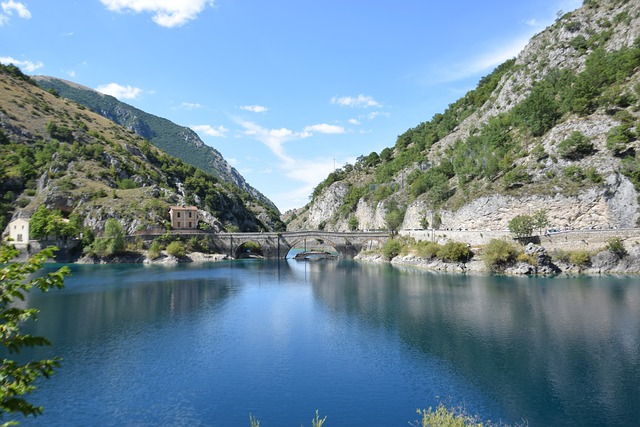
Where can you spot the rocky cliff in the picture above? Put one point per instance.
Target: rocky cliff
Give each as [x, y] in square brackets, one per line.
[554, 129]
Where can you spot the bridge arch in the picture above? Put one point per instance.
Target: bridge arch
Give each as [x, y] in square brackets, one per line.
[249, 249]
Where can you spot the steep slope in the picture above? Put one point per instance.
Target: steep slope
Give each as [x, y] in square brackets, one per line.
[56, 152]
[554, 129]
[178, 141]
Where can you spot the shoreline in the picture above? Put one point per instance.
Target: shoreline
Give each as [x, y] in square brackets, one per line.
[603, 263]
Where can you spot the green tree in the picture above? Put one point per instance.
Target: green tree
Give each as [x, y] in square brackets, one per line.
[115, 235]
[17, 378]
[540, 220]
[50, 223]
[353, 223]
[393, 219]
[521, 225]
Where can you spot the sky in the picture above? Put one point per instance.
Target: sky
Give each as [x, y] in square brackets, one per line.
[285, 90]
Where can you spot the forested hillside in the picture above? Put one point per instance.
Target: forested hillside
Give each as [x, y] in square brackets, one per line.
[553, 129]
[55, 152]
[178, 141]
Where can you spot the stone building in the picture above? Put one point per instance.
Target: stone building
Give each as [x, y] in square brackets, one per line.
[183, 217]
[19, 231]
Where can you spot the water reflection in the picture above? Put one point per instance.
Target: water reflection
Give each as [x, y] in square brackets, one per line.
[544, 349]
[207, 344]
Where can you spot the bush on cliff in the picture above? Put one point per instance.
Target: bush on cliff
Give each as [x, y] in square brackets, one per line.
[392, 248]
[177, 249]
[455, 252]
[498, 254]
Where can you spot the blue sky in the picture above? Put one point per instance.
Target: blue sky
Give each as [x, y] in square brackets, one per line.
[286, 90]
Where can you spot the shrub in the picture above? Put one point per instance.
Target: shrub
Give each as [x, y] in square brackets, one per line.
[575, 147]
[455, 252]
[561, 255]
[498, 254]
[516, 177]
[427, 249]
[177, 249]
[616, 246]
[154, 250]
[392, 248]
[619, 139]
[581, 258]
[443, 417]
[575, 173]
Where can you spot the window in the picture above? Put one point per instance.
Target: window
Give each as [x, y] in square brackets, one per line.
[189, 224]
[189, 216]
[19, 237]
[179, 224]
[178, 214]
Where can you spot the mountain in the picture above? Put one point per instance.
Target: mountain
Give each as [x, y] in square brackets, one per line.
[57, 153]
[178, 141]
[555, 129]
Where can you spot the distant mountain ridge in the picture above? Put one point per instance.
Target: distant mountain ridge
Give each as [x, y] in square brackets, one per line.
[56, 153]
[176, 140]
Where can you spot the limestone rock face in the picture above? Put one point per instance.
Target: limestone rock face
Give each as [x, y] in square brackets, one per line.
[609, 200]
[327, 205]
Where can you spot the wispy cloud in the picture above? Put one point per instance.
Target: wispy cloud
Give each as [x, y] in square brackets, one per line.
[324, 128]
[209, 130]
[166, 13]
[26, 66]
[191, 105]
[272, 138]
[362, 101]
[485, 62]
[10, 7]
[119, 91]
[254, 108]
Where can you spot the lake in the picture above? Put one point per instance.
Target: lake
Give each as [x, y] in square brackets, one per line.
[210, 344]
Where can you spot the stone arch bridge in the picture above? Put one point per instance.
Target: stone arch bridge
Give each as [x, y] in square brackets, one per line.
[276, 245]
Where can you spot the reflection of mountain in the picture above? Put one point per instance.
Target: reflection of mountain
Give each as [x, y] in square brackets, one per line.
[122, 296]
[546, 347]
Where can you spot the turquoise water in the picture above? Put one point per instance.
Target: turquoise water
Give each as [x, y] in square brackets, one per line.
[207, 345]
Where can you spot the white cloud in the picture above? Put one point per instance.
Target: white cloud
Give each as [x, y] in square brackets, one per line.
[218, 132]
[191, 105]
[10, 7]
[354, 122]
[166, 13]
[272, 138]
[324, 128]
[376, 114]
[26, 66]
[119, 91]
[253, 108]
[358, 101]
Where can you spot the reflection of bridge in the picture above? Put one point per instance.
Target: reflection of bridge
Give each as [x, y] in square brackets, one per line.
[277, 245]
